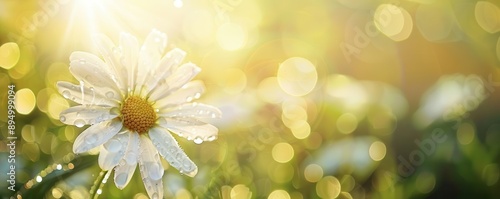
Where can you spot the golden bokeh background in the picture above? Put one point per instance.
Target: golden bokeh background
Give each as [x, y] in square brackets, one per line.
[320, 99]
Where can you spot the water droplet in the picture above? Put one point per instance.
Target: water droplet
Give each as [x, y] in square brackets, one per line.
[121, 178]
[130, 158]
[79, 123]
[66, 94]
[62, 118]
[197, 95]
[188, 99]
[187, 164]
[82, 61]
[154, 170]
[213, 115]
[90, 139]
[172, 149]
[113, 145]
[110, 94]
[155, 196]
[198, 140]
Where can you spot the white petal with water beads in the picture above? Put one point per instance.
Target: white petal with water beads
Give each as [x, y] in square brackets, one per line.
[113, 151]
[169, 149]
[187, 93]
[190, 128]
[96, 135]
[89, 96]
[87, 115]
[126, 167]
[85, 68]
[195, 110]
[150, 168]
[179, 78]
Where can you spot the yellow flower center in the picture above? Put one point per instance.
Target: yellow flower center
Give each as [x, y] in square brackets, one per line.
[138, 115]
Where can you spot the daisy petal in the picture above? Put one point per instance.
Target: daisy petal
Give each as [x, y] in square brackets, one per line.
[111, 55]
[150, 168]
[113, 151]
[96, 135]
[167, 64]
[85, 115]
[196, 110]
[187, 93]
[152, 49]
[179, 78]
[125, 169]
[169, 149]
[90, 95]
[130, 48]
[190, 128]
[92, 74]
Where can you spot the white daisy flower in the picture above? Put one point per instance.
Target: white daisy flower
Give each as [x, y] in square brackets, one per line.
[132, 100]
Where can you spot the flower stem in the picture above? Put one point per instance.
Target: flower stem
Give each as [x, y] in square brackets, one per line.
[99, 183]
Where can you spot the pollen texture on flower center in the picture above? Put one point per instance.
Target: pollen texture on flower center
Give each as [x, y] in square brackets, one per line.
[138, 115]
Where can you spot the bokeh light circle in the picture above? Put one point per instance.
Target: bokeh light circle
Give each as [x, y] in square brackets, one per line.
[279, 194]
[347, 123]
[282, 152]
[313, 173]
[25, 101]
[393, 21]
[328, 187]
[487, 16]
[377, 151]
[9, 55]
[297, 76]
[231, 36]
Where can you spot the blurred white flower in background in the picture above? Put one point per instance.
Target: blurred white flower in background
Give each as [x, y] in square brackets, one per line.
[449, 99]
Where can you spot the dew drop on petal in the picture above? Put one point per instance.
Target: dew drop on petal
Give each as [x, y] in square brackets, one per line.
[198, 140]
[130, 158]
[154, 170]
[91, 139]
[62, 119]
[121, 178]
[66, 94]
[113, 146]
[82, 61]
[155, 196]
[79, 123]
[110, 94]
[197, 95]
